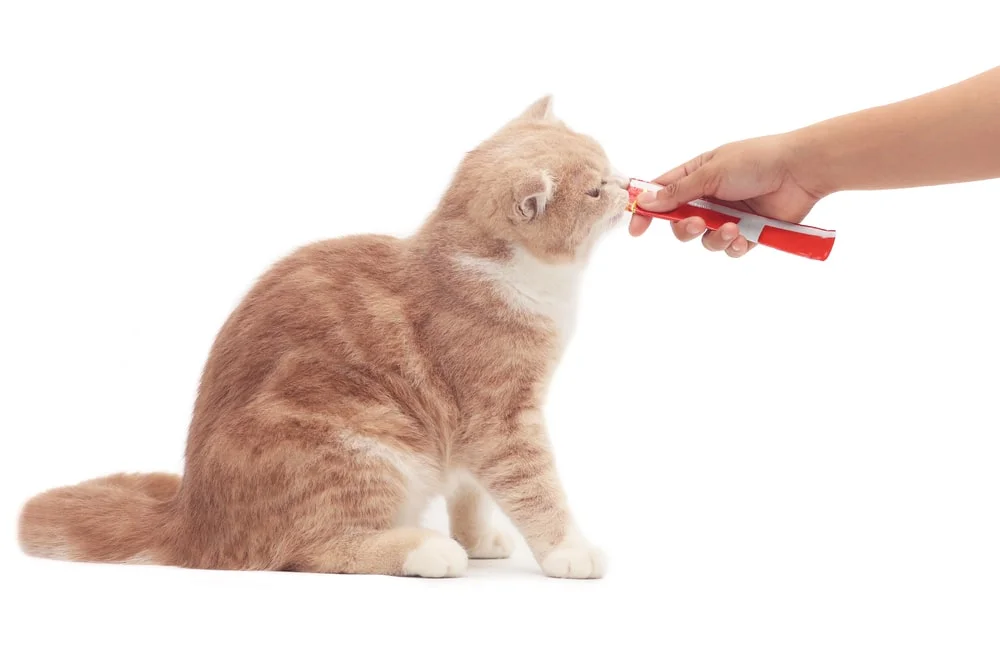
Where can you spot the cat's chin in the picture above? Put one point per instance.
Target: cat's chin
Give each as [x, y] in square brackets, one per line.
[617, 220]
[601, 229]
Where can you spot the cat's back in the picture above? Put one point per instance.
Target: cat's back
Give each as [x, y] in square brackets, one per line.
[336, 304]
[349, 260]
[333, 276]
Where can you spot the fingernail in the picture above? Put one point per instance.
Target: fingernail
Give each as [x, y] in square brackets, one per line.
[693, 228]
[646, 198]
[729, 234]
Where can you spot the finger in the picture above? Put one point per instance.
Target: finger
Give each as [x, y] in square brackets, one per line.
[721, 238]
[672, 195]
[686, 169]
[738, 205]
[688, 228]
[638, 225]
[676, 174]
[739, 247]
[680, 185]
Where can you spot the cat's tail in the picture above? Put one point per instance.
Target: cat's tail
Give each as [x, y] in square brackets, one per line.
[122, 518]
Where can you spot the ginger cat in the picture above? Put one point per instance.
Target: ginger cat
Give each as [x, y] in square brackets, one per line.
[363, 375]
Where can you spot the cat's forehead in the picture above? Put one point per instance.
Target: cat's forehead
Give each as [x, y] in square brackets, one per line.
[550, 137]
[567, 151]
[582, 159]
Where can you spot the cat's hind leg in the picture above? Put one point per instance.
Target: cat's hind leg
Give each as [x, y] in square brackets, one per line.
[414, 552]
[365, 520]
[470, 514]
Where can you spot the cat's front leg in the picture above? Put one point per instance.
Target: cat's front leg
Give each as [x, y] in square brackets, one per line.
[470, 513]
[519, 471]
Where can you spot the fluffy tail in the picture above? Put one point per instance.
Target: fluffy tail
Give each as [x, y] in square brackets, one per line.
[118, 519]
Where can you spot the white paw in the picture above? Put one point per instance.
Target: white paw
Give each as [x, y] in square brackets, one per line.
[575, 562]
[495, 544]
[436, 557]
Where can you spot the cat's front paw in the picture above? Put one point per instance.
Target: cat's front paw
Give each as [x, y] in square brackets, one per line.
[436, 557]
[494, 544]
[575, 562]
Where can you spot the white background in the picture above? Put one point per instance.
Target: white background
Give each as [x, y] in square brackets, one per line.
[788, 462]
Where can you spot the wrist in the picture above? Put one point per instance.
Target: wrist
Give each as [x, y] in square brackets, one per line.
[811, 161]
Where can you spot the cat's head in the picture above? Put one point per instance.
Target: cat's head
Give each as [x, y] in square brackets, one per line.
[539, 185]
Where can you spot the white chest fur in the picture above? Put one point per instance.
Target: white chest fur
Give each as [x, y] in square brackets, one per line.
[533, 287]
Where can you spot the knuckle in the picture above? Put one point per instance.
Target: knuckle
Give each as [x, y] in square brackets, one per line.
[711, 180]
[693, 165]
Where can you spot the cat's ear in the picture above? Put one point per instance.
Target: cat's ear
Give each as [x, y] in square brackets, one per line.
[540, 110]
[532, 193]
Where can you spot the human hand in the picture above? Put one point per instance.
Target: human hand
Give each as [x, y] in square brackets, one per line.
[762, 176]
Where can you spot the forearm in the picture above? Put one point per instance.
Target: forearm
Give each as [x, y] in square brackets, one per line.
[946, 136]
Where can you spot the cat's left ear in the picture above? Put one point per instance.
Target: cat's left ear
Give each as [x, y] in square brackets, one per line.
[540, 110]
[532, 193]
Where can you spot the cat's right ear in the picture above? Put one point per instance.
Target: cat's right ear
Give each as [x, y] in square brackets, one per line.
[531, 194]
[540, 110]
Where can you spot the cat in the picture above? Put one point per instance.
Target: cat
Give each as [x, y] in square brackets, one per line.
[362, 376]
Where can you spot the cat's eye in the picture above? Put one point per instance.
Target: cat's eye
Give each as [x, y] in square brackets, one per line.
[596, 192]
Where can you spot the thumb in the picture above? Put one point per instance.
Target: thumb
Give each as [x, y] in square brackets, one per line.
[679, 187]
